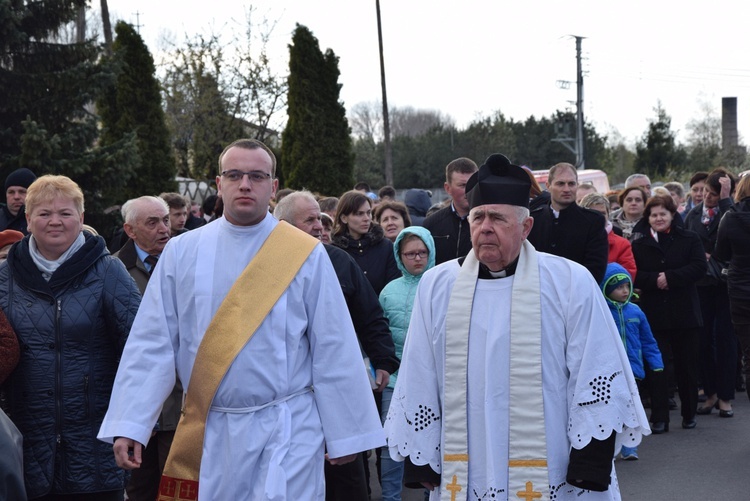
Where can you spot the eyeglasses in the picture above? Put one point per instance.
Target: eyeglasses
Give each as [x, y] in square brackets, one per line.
[255, 176]
[414, 255]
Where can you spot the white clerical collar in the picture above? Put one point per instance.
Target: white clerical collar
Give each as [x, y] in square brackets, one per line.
[498, 274]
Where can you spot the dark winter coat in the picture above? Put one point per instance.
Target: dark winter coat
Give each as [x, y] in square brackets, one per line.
[368, 318]
[733, 246]
[577, 234]
[707, 233]
[632, 325]
[129, 257]
[680, 255]
[10, 222]
[71, 330]
[11, 461]
[194, 222]
[373, 254]
[451, 234]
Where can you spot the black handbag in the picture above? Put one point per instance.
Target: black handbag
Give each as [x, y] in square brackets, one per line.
[717, 270]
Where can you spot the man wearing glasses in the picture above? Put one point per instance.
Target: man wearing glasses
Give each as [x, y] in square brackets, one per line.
[295, 384]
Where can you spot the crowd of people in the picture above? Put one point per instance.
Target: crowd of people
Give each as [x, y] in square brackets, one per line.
[265, 343]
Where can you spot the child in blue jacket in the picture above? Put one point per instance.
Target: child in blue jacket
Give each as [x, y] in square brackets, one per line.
[639, 342]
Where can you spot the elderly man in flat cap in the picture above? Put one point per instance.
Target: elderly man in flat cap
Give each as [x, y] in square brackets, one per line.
[514, 382]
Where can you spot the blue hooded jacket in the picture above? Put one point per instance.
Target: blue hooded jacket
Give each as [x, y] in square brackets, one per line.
[632, 324]
[397, 298]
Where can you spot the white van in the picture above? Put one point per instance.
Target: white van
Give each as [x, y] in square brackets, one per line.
[596, 177]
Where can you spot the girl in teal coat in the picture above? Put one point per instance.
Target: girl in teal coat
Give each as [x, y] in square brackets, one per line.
[414, 250]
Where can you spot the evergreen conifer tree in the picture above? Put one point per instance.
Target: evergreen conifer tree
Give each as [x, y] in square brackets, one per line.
[133, 105]
[316, 148]
[47, 122]
[658, 151]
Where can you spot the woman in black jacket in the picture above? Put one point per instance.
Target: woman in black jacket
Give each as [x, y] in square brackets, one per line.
[670, 260]
[355, 232]
[71, 305]
[717, 343]
[733, 246]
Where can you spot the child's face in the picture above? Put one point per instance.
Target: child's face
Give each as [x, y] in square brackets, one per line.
[621, 293]
[414, 255]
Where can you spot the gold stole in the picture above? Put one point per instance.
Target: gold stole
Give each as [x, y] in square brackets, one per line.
[527, 463]
[247, 304]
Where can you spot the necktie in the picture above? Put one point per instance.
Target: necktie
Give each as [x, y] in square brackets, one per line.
[151, 261]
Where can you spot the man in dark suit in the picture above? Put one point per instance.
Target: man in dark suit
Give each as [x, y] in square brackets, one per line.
[449, 226]
[564, 229]
[147, 226]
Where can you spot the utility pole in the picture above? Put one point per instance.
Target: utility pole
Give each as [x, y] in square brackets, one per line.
[106, 27]
[386, 122]
[580, 164]
[138, 24]
[564, 129]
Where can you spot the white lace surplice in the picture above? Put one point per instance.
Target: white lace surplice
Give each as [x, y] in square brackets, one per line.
[588, 386]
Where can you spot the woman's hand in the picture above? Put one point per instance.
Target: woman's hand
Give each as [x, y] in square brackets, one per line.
[726, 187]
[661, 281]
[381, 379]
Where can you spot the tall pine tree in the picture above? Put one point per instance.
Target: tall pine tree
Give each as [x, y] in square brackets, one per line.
[48, 86]
[658, 152]
[133, 105]
[316, 148]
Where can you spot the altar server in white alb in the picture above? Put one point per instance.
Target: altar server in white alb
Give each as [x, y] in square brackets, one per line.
[259, 407]
[514, 383]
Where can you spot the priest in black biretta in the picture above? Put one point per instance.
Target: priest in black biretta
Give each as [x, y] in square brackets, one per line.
[498, 182]
[526, 332]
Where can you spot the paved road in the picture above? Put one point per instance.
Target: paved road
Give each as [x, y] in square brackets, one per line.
[708, 463]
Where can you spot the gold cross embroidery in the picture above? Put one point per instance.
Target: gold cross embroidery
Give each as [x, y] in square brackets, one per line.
[454, 488]
[187, 491]
[178, 490]
[529, 493]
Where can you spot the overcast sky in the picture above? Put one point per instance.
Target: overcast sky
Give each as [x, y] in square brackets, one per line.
[474, 57]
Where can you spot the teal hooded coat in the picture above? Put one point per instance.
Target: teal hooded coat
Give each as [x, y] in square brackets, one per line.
[397, 298]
